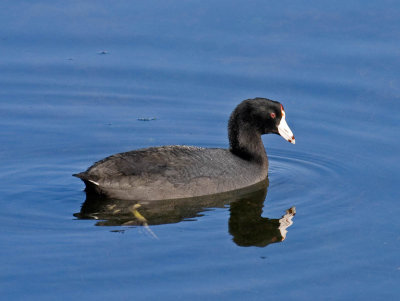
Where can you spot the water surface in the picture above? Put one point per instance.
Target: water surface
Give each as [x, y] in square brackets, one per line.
[74, 80]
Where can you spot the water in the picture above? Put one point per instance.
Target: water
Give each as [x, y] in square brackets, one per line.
[74, 80]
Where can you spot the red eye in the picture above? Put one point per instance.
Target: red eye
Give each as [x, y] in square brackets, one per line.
[273, 115]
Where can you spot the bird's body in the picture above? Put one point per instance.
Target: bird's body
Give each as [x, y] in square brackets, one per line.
[171, 172]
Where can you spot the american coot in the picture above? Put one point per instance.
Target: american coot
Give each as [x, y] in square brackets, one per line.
[171, 172]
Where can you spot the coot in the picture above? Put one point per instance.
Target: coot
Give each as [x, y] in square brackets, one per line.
[171, 172]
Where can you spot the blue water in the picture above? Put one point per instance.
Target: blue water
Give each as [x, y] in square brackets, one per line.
[75, 78]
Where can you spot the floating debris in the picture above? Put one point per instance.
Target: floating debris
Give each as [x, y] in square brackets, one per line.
[118, 231]
[147, 118]
[141, 219]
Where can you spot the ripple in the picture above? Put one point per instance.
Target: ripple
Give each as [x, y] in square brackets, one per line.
[283, 163]
[305, 177]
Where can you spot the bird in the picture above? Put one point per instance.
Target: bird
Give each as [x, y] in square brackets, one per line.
[180, 171]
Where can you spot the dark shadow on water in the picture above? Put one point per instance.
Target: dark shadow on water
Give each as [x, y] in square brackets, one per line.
[246, 224]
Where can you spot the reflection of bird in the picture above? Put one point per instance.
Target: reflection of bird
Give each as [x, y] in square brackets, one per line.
[246, 224]
[172, 172]
[249, 228]
[286, 221]
[113, 212]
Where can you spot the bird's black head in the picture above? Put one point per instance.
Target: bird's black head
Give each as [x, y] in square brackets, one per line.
[261, 115]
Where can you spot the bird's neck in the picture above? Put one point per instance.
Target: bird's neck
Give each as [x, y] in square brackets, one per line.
[247, 144]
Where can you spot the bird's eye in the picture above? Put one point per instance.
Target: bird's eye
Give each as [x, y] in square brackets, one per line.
[273, 115]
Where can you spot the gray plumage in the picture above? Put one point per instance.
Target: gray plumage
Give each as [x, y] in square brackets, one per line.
[171, 172]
